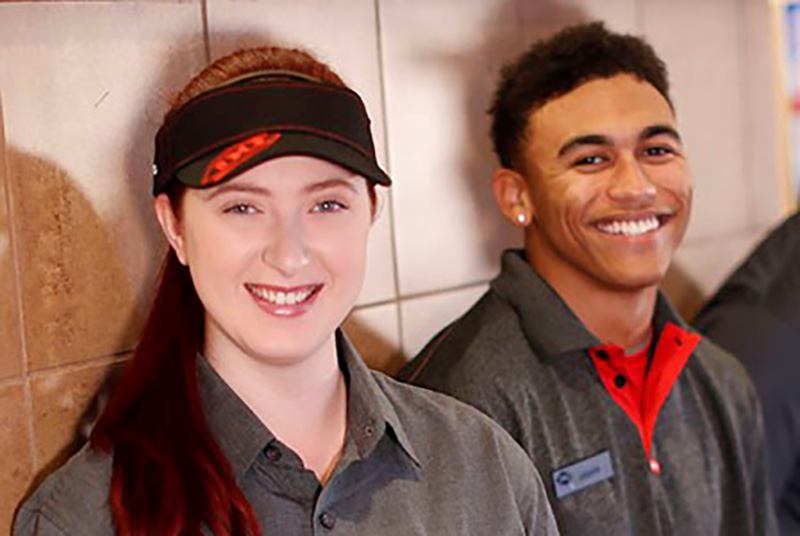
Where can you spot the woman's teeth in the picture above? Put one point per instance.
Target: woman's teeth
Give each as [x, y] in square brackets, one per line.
[282, 298]
[630, 227]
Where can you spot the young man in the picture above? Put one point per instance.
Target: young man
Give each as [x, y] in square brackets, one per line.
[756, 316]
[638, 425]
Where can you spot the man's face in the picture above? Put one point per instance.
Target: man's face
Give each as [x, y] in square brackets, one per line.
[608, 184]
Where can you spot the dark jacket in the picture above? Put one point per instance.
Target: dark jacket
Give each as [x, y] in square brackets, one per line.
[756, 316]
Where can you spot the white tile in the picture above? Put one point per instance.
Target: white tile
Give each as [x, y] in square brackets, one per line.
[440, 65]
[700, 43]
[342, 33]
[84, 88]
[424, 317]
[701, 266]
[375, 332]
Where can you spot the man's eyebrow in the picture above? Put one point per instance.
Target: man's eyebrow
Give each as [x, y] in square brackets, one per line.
[659, 130]
[332, 183]
[232, 186]
[588, 139]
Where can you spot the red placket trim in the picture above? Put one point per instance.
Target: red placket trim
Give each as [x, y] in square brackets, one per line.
[675, 346]
[673, 350]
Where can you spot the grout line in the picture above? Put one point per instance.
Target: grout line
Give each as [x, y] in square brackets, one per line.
[81, 365]
[12, 382]
[423, 294]
[206, 38]
[15, 261]
[389, 197]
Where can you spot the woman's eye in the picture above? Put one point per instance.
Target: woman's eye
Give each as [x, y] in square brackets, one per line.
[329, 206]
[241, 208]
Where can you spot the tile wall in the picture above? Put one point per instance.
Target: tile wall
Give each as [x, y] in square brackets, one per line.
[84, 85]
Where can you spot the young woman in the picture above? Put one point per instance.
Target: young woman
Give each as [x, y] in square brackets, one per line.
[244, 410]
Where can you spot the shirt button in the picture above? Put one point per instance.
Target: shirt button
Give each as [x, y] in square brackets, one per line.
[327, 520]
[369, 430]
[620, 381]
[602, 354]
[655, 467]
[273, 453]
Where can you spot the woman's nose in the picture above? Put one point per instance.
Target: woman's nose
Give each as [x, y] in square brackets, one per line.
[286, 250]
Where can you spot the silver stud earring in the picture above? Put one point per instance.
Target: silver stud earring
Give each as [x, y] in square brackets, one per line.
[522, 218]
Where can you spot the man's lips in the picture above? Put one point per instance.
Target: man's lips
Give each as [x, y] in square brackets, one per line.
[632, 225]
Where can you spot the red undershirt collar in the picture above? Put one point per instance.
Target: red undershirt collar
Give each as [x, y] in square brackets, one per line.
[638, 389]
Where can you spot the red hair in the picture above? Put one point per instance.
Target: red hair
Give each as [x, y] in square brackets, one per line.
[169, 474]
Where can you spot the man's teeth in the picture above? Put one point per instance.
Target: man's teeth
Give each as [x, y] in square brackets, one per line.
[630, 227]
[283, 298]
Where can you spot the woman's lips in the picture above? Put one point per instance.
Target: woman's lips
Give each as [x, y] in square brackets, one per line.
[284, 301]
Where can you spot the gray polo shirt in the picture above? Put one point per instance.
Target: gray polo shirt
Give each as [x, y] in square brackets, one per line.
[414, 462]
[522, 357]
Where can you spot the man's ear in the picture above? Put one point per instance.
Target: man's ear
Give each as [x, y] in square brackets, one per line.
[513, 197]
[171, 226]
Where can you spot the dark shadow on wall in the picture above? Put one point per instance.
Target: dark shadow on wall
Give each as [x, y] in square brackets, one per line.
[76, 295]
[77, 302]
[90, 280]
[683, 291]
[511, 29]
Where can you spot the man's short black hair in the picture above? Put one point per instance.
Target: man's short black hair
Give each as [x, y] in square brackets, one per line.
[553, 67]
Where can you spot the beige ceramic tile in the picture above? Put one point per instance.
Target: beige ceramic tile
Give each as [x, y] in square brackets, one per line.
[375, 333]
[701, 44]
[10, 333]
[15, 451]
[762, 167]
[440, 65]
[425, 317]
[343, 33]
[65, 404]
[84, 88]
[701, 266]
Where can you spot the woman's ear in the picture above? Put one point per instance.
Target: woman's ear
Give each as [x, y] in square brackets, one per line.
[513, 197]
[171, 226]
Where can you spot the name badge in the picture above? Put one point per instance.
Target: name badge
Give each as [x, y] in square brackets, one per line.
[587, 472]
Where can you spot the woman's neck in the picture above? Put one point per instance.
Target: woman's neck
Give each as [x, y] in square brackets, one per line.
[304, 404]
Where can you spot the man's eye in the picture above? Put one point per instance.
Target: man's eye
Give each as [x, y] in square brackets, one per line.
[329, 206]
[241, 208]
[658, 151]
[593, 160]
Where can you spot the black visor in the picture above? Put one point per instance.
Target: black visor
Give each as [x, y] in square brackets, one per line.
[222, 133]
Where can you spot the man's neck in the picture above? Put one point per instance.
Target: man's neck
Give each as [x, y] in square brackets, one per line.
[622, 317]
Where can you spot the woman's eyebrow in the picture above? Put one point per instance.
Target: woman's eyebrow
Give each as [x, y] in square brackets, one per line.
[233, 186]
[333, 183]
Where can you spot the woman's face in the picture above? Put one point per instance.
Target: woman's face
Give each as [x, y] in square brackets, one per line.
[277, 255]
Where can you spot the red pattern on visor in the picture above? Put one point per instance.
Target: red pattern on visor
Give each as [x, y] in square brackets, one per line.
[236, 155]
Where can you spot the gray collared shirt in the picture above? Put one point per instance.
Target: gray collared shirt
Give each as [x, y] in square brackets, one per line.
[521, 356]
[414, 462]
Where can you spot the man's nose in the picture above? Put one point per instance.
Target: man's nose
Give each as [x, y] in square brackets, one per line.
[631, 183]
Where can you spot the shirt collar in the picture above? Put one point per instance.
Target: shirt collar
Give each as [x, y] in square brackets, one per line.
[241, 436]
[548, 323]
[370, 413]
